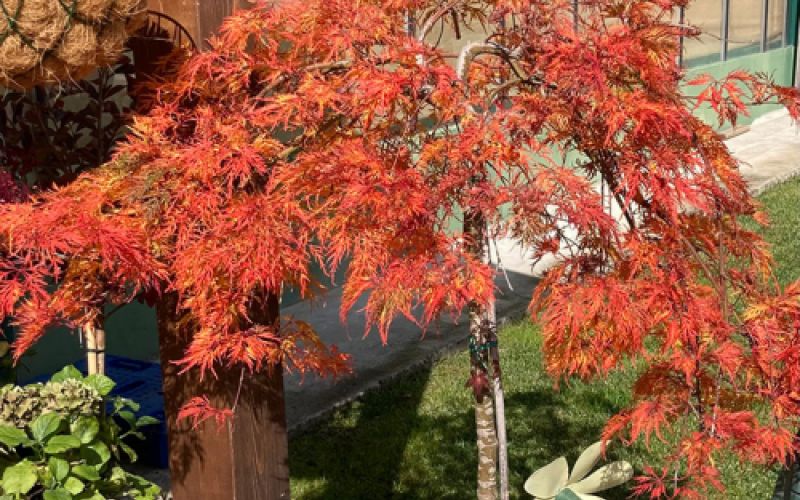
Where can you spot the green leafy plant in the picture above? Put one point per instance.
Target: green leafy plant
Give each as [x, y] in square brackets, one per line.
[554, 481]
[60, 441]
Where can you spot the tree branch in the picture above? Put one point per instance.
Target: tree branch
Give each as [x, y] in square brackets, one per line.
[431, 21]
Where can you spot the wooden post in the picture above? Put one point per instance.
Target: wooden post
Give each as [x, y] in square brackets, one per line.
[94, 336]
[201, 18]
[246, 459]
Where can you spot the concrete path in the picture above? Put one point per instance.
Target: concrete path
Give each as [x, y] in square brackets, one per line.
[769, 151]
[374, 363]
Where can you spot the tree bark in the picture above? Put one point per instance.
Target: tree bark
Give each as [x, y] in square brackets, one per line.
[480, 323]
[247, 458]
[499, 403]
[487, 449]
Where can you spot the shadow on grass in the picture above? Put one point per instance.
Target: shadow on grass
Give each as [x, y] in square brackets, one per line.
[388, 446]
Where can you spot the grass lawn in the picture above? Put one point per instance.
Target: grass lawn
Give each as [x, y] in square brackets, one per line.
[414, 438]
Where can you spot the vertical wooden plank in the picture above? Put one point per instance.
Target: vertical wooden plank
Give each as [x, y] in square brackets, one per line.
[246, 459]
[183, 11]
[211, 13]
[201, 18]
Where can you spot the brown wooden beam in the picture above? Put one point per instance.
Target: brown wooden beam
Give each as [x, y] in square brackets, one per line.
[246, 459]
[201, 18]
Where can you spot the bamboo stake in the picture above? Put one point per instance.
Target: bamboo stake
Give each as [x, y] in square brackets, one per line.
[95, 339]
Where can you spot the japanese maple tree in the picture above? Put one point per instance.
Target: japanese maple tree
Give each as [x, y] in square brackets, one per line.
[321, 131]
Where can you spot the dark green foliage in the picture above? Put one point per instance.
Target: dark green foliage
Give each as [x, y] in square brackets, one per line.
[58, 441]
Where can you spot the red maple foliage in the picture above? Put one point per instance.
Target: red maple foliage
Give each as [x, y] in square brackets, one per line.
[319, 131]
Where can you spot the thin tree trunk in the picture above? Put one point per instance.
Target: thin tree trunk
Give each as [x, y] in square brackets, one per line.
[499, 403]
[484, 410]
[789, 473]
[480, 324]
[95, 338]
[788, 481]
[487, 450]
[502, 438]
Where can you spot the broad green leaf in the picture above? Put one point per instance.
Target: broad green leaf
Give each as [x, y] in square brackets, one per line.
[60, 444]
[128, 417]
[57, 494]
[147, 420]
[74, 485]
[132, 456]
[118, 475]
[59, 468]
[90, 495]
[45, 426]
[121, 403]
[136, 434]
[19, 479]
[85, 429]
[11, 436]
[100, 383]
[96, 453]
[86, 472]
[547, 481]
[68, 373]
[145, 490]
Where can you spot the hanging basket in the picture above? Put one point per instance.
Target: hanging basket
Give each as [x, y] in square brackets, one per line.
[52, 41]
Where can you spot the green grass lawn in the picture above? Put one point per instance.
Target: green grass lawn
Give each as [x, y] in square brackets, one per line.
[414, 438]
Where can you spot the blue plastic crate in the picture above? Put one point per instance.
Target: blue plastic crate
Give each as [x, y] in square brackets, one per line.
[139, 381]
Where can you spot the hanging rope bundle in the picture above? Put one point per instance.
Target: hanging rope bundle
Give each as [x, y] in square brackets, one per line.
[52, 41]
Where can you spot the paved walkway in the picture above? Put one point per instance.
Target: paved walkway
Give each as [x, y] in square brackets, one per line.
[770, 152]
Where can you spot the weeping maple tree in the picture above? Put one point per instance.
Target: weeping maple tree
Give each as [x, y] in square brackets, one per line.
[321, 132]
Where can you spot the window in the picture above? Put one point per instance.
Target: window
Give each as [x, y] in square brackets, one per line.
[747, 26]
[776, 23]
[452, 33]
[707, 16]
[744, 27]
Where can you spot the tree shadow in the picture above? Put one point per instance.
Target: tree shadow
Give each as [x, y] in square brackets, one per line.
[358, 452]
[384, 446]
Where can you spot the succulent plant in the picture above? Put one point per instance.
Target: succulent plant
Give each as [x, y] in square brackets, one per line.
[554, 481]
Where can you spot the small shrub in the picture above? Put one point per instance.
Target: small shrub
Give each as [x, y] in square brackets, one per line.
[61, 441]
